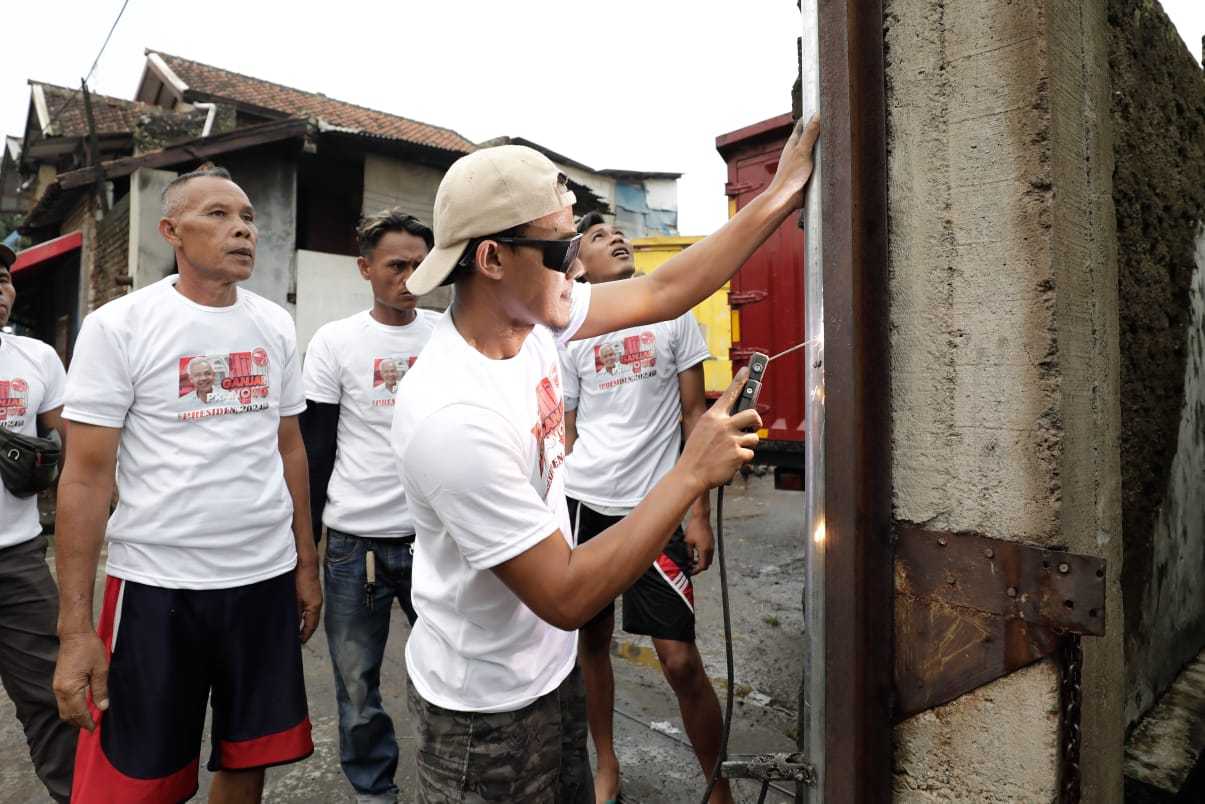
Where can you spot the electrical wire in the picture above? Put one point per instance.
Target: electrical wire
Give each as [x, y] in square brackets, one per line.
[719, 552]
[105, 44]
[54, 117]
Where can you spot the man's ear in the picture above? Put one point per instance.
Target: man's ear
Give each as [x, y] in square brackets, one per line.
[362, 264]
[167, 228]
[489, 259]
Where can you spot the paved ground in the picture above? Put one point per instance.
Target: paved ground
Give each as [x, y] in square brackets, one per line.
[765, 563]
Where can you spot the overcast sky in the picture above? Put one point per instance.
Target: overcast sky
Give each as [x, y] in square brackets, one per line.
[641, 84]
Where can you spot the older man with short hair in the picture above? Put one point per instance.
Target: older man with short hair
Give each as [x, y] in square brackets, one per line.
[212, 576]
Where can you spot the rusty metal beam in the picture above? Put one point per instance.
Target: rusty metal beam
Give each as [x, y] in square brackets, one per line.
[858, 553]
[970, 609]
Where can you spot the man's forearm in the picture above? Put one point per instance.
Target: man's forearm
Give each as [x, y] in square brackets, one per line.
[702, 505]
[692, 275]
[79, 532]
[297, 479]
[610, 563]
[688, 277]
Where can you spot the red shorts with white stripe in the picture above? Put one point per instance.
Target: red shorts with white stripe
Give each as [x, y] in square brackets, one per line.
[661, 604]
[170, 651]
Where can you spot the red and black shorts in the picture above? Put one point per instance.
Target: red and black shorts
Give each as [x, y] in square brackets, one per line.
[171, 650]
[661, 604]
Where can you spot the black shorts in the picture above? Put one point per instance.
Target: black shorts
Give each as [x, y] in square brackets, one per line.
[171, 650]
[661, 604]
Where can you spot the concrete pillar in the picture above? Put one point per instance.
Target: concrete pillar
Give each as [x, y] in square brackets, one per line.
[150, 256]
[1004, 349]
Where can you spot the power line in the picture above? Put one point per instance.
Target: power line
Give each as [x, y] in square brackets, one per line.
[54, 117]
[109, 36]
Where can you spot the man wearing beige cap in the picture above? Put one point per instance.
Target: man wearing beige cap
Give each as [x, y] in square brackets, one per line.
[479, 433]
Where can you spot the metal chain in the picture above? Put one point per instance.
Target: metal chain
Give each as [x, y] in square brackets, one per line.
[1071, 659]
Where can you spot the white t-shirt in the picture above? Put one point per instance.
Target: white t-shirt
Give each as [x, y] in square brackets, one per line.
[480, 445]
[357, 363]
[198, 392]
[624, 386]
[31, 382]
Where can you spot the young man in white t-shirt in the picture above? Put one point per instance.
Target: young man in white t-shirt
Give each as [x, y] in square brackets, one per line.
[212, 574]
[628, 397]
[31, 399]
[352, 370]
[479, 434]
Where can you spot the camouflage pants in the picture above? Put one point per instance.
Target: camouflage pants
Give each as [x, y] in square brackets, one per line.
[536, 754]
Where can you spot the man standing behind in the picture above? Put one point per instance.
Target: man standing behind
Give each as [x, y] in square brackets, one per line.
[352, 369]
[31, 399]
[212, 576]
[622, 437]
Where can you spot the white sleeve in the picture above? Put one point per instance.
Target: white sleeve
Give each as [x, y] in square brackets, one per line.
[321, 373]
[570, 382]
[484, 498]
[100, 389]
[577, 313]
[690, 349]
[292, 394]
[56, 381]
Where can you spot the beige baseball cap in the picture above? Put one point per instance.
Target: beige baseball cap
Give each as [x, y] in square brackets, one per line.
[486, 192]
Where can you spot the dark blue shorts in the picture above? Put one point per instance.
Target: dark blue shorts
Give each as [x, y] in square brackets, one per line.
[171, 651]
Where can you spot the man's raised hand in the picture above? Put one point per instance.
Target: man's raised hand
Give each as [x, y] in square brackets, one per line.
[796, 162]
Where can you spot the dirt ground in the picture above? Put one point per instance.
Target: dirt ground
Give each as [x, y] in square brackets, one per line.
[765, 567]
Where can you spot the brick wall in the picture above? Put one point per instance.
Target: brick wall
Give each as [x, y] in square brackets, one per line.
[110, 273]
[83, 220]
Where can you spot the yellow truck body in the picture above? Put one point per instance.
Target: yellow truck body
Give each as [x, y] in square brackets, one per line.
[713, 314]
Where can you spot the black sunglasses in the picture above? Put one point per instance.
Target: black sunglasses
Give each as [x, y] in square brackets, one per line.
[559, 255]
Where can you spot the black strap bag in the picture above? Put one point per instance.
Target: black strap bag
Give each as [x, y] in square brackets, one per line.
[27, 464]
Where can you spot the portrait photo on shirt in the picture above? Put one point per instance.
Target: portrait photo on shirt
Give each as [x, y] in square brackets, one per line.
[231, 379]
[14, 403]
[387, 372]
[626, 358]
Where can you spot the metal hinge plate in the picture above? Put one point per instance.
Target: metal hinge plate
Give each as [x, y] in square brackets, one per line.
[970, 609]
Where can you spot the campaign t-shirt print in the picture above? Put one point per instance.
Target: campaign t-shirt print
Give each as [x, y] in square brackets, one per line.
[625, 360]
[14, 402]
[221, 384]
[387, 372]
[549, 431]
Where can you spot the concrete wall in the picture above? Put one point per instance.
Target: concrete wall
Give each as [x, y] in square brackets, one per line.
[329, 287]
[150, 256]
[270, 180]
[1004, 346]
[1159, 192]
[393, 183]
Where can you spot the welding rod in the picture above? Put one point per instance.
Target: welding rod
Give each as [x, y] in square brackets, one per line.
[794, 348]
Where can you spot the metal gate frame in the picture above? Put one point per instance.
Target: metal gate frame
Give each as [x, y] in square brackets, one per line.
[858, 557]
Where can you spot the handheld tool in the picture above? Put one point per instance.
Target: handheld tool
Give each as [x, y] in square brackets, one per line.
[758, 363]
[752, 388]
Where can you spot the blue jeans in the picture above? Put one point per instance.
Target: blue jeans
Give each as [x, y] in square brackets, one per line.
[356, 634]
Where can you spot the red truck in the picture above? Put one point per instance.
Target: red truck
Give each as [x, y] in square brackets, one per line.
[766, 298]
